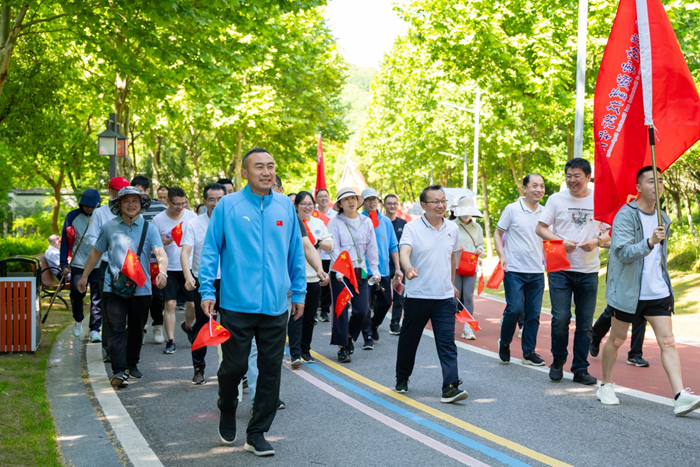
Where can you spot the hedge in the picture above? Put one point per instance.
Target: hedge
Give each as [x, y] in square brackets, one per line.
[29, 245]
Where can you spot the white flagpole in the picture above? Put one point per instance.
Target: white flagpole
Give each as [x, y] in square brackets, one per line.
[580, 76]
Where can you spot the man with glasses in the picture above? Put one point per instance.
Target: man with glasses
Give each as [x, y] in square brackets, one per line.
[428, 252]
[391, 204]
[570, 213]
[323, 206]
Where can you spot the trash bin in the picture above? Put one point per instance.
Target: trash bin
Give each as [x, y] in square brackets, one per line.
[20, 304]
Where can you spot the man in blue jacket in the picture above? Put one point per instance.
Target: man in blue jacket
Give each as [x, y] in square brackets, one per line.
[255, 234]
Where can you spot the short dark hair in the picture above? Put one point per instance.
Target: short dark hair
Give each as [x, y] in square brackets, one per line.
[291, 194]
[390, 196]
[163, 187]
[213, 186]
[424, 193]
[278, 180]
[300, 197]
[225, 181]
[645, 169]
[141, 180]
[252, 151]
[320, 190]
[526, 179]
[176, 192]
[578, 163]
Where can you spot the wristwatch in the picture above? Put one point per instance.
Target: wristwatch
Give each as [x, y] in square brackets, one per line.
[164, 273]
[600, 242]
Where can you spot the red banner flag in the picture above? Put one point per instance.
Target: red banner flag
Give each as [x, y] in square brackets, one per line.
[467, 264]
[344, 266]
[319, 215]
[214, 334]
[496, 277]
[643, 71]
[465, 317]
[375, 218]
[555, 256]
[342, 301]
[481, 284]
[320, 171]
[177, 234]
[132, 268]
[312, 239]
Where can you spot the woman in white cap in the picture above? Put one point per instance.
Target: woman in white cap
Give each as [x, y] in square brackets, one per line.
[355, 234]
[471, 240]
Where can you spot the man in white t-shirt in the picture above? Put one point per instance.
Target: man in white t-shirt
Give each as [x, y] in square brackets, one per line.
[192, 244]
[428, 254]
[639, 287]
[521, 259]
[175, 217]
[570, 213]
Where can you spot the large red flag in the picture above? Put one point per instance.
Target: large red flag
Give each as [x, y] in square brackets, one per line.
[132, 268]
[214, 334]
[320, 170]
[496, 277]
[643, 71]
[465, 317]
[177, 234]
[342, 301]
[319, 215]
[344, 266]
[555, 256]
[312, 239]
[467, 264]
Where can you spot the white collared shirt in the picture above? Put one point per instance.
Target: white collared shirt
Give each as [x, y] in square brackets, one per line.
[523, 247]
[195, 232]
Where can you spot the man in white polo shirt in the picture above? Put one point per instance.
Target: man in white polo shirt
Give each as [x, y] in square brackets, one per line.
[428, 254]
[192, 244]
[521, 259]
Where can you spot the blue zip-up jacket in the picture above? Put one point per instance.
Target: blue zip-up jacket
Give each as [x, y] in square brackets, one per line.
[386, 243]
[259, 243]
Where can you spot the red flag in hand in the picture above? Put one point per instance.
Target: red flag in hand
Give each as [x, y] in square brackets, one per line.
[496, 277]
[467, 264]
[344, 266]
[132, 268]
[375, 218]
[155, 270]
[214, 334]
[319, 215]
[555, 256]
[312, 239]
[342, 301]
[465, 317]
[481, 284]
[177, 234]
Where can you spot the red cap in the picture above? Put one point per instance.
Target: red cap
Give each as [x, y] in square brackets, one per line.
[117, 183]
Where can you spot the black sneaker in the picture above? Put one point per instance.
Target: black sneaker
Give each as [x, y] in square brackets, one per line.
[307, 358]
[189, 332]
[375, 333]
[453, 393]
[503, 352]
[584, 378]
[170, 347]
[280, 404]
[533, 359]
[227, 426]
[198, 376]
[351, 346]
[595, 349]
[368, 345]
[119, 380]
[134, 372]
[638, 361]
[258, 445]
[344, 355]
[394, 329]
[401, 385]
[556, 370]
[296, 363]
[324, 318]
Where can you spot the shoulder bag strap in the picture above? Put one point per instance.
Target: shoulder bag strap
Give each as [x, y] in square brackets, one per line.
[144, 231]
[467, 232]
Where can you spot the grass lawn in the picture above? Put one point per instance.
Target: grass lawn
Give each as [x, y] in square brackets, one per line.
[27, 430]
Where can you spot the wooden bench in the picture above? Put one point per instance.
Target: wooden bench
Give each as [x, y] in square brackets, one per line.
[49, 282]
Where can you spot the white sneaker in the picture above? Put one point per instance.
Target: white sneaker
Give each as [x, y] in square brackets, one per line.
[686, 403]
[77, 329]
[468, 333]
[158, 337]
[500, 321]
[520, 334]
[606, 394]
[95, 336]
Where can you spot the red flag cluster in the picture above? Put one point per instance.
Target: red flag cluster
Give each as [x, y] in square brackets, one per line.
[344, 266]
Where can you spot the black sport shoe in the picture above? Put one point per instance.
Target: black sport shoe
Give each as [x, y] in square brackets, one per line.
[584, 378]
[227, 426]
[170, 347]
[401, 385]
[344, 355]
[638, 361]
[533, 359]
[258, 445]
[368, 345]
[556, 370]
[595, 349]
[189, 332]
[394, 329]
[503, 352]
[134, 372]
[307, 358]
[375, 333]
[119, 380]
[324, 318]
[280, 404]
[351, 346]
[296, 362]
[198, 376]
[453, 393]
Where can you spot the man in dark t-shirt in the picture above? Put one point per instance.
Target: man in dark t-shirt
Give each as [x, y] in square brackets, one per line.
[391, 203]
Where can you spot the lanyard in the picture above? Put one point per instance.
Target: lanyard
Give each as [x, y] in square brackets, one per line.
[357, 253]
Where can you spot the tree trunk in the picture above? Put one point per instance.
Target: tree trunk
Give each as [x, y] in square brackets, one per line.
[487, 222]
[569, 143]
[56, 185]
[234, 168]
[689, 213]
[122, 85]
[155, 162]
[8, 38]
[677, 204]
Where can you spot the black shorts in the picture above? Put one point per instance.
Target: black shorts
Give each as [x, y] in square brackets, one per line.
[175, 287]
[660, 307]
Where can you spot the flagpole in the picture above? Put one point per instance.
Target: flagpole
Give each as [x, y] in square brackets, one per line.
[580, 77]
[656, 174]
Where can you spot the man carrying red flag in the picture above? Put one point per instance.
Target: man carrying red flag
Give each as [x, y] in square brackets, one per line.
[570, 213]
[521, 261]
[119, 238]
[323, 209]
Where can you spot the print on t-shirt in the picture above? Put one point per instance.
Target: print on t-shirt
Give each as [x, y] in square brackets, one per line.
[580, 217]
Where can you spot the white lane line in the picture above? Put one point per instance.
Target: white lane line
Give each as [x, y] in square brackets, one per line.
[135, 445]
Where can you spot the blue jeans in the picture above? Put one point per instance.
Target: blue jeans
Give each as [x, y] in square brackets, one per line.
[584, 287]
[523, 296]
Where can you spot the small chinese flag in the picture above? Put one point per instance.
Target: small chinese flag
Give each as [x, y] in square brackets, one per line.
[177, 234]
[342, 301]
[312, 239]
[70, 233]
[555, 256]
[481, 284]
[375, 218]
[496, 277]
[467, 264]
[344, 266]
[465, 317]
[132, 268]
[214, 334]
[155, 270]
[319, 215]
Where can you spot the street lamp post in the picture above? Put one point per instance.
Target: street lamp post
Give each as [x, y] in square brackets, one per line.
[111, 143]
[464, 172]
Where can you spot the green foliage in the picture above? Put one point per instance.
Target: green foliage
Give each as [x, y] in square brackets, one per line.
[28, 245]
[683, 251]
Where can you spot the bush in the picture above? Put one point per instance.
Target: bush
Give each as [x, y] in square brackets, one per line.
[29, 245]
[683, 251]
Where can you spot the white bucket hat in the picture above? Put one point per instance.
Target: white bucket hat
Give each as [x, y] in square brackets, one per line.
[466, 206]
[346, 193]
